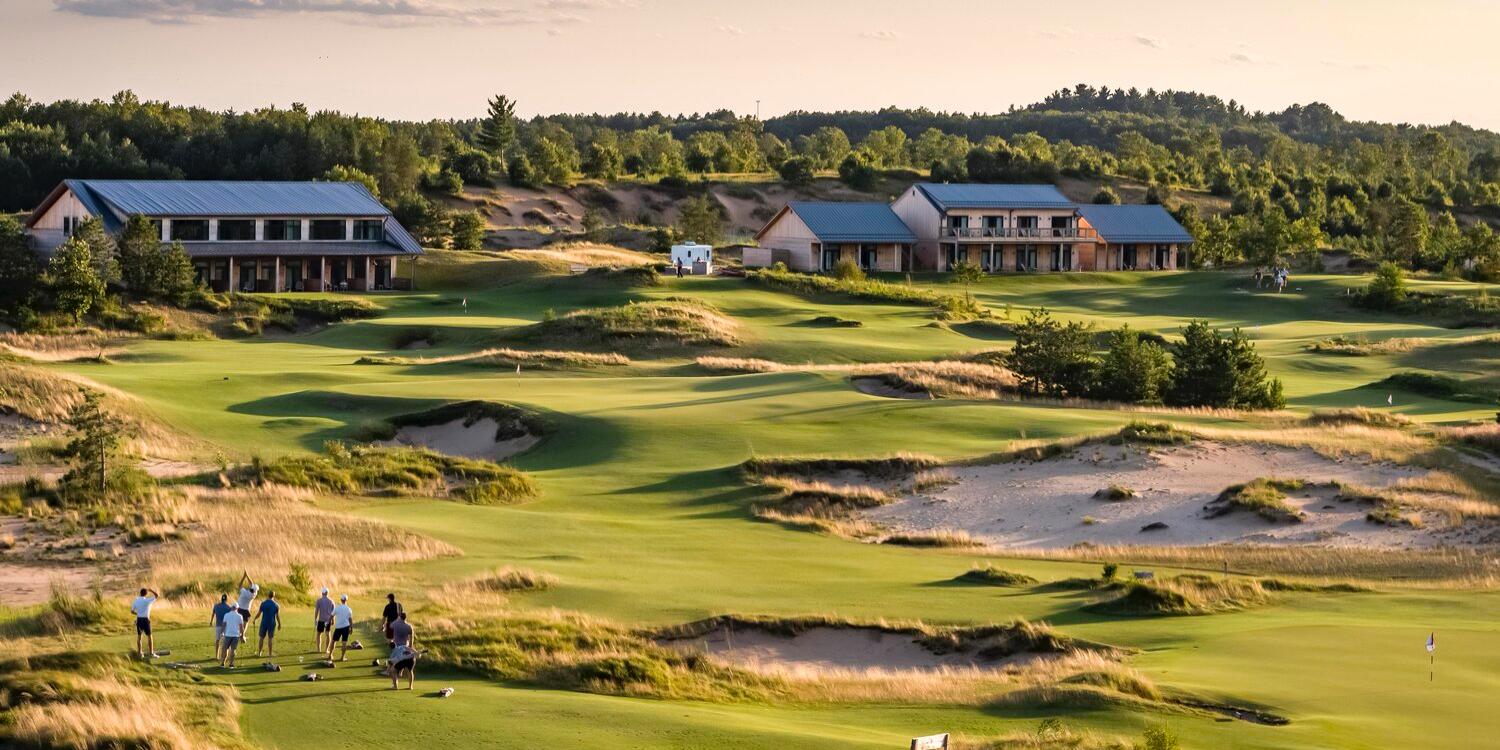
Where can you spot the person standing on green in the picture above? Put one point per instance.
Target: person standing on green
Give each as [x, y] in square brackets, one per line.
[270, 622]
[222, 608]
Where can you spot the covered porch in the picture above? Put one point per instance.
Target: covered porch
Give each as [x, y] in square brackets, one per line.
[302, 273]
[1136, 257]
[875, 257]
[1011, 257]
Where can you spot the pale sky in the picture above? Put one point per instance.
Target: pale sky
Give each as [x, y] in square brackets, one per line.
[1420, 62]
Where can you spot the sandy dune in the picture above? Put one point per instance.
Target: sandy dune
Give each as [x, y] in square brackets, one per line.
[1042, 505]
[476, 440]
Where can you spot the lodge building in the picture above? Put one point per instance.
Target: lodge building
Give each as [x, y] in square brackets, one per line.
[248, 236]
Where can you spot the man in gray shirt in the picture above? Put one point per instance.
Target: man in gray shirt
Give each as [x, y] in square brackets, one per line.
[402, 633]
[322, 621]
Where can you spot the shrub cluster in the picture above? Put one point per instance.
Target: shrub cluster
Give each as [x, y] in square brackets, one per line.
[1206, 369]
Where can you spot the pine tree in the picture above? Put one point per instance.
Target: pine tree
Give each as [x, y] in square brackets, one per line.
[96, 438]
[140, 255]
[178, 279]
[103, 253]
[700, 220]
[20, 268]
[497, 132]
[1134, 371]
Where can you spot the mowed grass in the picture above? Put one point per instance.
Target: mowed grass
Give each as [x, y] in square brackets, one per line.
[644, 521]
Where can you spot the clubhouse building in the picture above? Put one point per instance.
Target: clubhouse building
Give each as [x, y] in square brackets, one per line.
[1001, 228]
[247, 236]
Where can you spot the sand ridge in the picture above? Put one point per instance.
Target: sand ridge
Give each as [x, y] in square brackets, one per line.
[473, 440]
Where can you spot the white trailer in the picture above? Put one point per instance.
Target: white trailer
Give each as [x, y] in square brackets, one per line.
[696, 259]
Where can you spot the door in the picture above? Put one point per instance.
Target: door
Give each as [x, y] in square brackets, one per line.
[1062, 257]
[1026, 258]
[382, 274]
[1062, 226]
[1026, 226]
[1127, 258]
[1163, 257]
[868, 258]
[294, 275]
[830, 257]
[950, 256]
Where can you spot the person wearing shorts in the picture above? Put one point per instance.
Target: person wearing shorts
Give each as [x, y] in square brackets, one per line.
[322, 621]
[388, 617]
[141, 608]
[343, 625]
[270, 622]
[234, 629]
[403, 659]
[217, 620]
[247, 595]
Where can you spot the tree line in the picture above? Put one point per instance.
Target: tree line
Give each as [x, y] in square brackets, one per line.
[1294, 180]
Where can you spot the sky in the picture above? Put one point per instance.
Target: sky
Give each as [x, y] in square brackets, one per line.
[1427, 62]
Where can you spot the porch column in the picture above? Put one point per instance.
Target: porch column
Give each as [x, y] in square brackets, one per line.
[369, 275]
[323, 271]
[232, 287]
[276, 273]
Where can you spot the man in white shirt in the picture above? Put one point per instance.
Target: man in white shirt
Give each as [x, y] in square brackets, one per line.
[343, 624]
[141, 608]
[234, 630]
[247, 595]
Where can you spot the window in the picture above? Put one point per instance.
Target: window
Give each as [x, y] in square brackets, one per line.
[236, 230]
[958, 222]
[68, 226]
[369, 229]
[157, 223]
[283, 229]
[189, 230]
[1026, 226]
[326, 229]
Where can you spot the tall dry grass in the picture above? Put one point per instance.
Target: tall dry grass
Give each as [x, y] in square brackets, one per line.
[940, 378]
[503, 357]
[269, 528]
[48, 396]
[587, 254]
[1447, 567]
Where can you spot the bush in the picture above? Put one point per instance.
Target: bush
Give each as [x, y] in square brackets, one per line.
[796, 171]
[992, 576]
[1106, 197]
[1134, 371]
[1387, 290]
[847, 270]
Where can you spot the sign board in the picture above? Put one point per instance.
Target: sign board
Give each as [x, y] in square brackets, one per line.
[930, 742]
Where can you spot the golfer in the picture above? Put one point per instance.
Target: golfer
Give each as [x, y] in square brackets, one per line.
[387, 616]
[234, 630]
[220, 609]
[269, 616]
[402, 633]
[323, 622]
[141, 608]
[403, 659]
[247, 595]
[343, 623]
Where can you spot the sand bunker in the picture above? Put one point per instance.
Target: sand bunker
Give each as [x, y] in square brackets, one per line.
[830, 648]
[474, 439]
[1045, 504]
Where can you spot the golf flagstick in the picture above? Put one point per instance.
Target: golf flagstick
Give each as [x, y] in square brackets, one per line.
[1431, 655]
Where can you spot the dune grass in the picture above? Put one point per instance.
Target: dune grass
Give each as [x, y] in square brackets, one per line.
[669, 323]
[506, 358]
[990, 575]
[1264, 496]
[408, 471]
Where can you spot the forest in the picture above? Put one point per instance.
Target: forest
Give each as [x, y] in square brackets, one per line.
[1294, 180]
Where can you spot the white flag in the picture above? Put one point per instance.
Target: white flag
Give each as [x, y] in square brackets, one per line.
[518, 368]
[1390, 398]
[1432, 643]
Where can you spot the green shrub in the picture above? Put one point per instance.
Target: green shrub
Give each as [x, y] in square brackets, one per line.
[992, 576]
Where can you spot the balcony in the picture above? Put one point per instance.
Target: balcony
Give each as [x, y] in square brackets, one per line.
[1021, 234]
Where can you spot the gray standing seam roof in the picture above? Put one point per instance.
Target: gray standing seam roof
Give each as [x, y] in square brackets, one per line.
[963, 195]
[229, 198]
[832, 221]
[1147, 223]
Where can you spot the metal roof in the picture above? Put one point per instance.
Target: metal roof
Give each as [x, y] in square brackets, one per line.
[229, 198]
[1148, 223]
[946, 196]
[852, 222]
[288, 248]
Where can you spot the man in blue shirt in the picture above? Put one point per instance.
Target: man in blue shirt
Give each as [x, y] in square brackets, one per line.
[220, 609]
[269, 616]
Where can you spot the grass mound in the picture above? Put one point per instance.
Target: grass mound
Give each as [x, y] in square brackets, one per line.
[1358, 415]
[1436, 386]
[954, 538]
[573, 652]
[992, 576]
[994, 641]
[65, 611]
[889, 467]
[1187, 594]
[1362, 346]
[1485, 437]
[833, 321]
[1154, 433]
[652, 325]
[934, 379]
[801, 496]
[252, 314]
[1265, 496]
[404, 471]
[1115, 493]
[103, 702]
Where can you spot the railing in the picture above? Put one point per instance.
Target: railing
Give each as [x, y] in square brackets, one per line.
[1020, 233]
